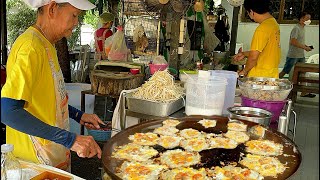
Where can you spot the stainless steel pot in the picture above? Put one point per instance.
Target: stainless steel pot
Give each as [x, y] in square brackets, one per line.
[252, 114]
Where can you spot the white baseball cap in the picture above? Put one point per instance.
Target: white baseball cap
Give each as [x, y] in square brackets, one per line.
[80, 4]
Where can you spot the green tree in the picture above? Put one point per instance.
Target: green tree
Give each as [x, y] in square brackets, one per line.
[92, 18]
[19, 18]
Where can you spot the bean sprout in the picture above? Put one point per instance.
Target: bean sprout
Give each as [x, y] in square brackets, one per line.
[160, 88]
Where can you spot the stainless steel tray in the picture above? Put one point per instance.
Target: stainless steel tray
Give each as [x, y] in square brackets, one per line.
[153, 108]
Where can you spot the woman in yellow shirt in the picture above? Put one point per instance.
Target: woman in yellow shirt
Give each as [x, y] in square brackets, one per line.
[264, 55]
[34, 102]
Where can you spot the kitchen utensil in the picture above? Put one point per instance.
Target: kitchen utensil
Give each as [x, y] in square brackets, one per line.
[153, 108]
[252, 114]
[291, 157]
[249, 88]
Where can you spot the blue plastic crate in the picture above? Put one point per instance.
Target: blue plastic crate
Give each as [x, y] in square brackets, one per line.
[99, 135]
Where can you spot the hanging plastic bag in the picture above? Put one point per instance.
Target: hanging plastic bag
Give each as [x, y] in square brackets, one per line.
[119, 50]
[210, 41]
[108, 44]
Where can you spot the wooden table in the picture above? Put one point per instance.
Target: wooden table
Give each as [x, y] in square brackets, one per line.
[297, 79]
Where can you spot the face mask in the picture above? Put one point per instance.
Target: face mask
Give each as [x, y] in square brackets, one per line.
[307, 22]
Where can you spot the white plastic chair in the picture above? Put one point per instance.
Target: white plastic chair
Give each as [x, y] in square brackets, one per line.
[314, 59]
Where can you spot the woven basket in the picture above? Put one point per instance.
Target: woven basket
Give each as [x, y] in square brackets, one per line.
[99, 135]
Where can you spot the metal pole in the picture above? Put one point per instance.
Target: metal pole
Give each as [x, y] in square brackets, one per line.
[234, 30]
[3, 30]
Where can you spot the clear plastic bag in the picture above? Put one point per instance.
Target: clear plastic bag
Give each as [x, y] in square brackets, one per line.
[108, 44]
[119, 50]
[159, 60]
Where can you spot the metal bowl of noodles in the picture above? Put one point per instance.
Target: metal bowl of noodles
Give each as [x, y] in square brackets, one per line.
[267, 89]
[252, 114]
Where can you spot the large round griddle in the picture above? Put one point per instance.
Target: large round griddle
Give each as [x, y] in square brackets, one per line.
[291, 156]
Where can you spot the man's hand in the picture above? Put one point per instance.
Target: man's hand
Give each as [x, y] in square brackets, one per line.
[242, 73]
[91, 121]
[307, 48]
[86, 147]
[239, 56]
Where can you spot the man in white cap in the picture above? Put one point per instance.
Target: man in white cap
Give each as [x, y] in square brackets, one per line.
[34, 102]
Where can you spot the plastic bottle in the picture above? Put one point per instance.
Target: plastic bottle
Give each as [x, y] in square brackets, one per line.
[10, 166]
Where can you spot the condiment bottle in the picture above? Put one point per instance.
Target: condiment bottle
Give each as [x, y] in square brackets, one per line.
[10, 166]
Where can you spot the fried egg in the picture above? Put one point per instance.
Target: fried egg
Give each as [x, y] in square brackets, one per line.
[147, 139]
[170, 122]
[184, 174]
[235, 126]
[194, 144]
[221, 142]
[238, 136]
[266, 166]
[264, 147]
[231, 173]
[178, 158]
[258, 131]
[134, 152]
[207, 123]
[169, 142]
[166, 130]
[210, 135]
[190, 133]
[140, 171]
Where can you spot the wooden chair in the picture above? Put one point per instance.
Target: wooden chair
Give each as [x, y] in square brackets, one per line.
[300, 81]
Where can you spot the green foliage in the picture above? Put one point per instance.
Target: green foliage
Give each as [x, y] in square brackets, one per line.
[19, 18]
[92, 18]
[74, 39]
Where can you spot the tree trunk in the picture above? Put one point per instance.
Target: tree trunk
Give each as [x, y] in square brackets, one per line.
[63, 57]
[174, 43]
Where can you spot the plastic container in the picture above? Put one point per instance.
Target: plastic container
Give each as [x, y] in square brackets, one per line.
[157, 67]
[10, 166]
[74, 93]
[134, 71]
[205, 96]
[99, 135]
[231, 87]
[275, 107]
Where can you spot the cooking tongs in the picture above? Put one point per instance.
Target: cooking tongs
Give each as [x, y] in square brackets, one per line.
[108, 127]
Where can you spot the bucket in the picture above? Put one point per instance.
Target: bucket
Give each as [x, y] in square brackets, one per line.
[205, 96]
[157, 67]
[275, 107]
[231, 87]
